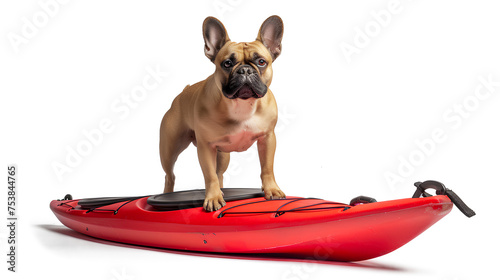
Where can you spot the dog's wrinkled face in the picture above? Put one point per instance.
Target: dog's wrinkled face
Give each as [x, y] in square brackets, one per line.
[243, 70]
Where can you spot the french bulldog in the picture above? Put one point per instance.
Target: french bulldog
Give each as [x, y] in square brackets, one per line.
[227, 112]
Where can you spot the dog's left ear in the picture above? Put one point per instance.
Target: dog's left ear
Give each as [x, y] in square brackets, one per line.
[215, 36]
[270, 34]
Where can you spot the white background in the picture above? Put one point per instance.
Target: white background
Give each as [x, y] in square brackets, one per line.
[343, 124]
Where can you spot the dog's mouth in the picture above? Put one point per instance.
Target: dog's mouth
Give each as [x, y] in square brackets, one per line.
[245, 92]
[244, 87]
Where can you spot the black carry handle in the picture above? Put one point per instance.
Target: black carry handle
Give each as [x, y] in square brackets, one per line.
[362, 200]
[442, 190]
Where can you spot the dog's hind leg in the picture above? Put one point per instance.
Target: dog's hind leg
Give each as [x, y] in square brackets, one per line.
[172, 143]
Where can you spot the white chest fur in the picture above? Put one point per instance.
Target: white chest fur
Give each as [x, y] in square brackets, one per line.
[248, 130]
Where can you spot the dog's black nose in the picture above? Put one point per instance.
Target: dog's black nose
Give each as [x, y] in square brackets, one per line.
[245, 70]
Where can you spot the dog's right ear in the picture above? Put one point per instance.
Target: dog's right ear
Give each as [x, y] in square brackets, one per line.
[215, 37]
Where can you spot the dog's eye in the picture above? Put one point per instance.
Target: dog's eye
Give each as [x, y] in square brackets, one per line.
[261, 62]
[227, 63]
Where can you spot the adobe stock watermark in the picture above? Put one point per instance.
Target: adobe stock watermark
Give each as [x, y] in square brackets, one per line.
[305, 270]
[221, 7]
[122, 274]
[121, 107]
[453, 119]
[364, 35]
[32, 25]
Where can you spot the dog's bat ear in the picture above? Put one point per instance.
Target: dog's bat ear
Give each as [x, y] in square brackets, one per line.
[215, 36]
[270, 34]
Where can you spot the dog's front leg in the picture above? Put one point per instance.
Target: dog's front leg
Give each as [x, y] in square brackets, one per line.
[207, 156]
[267, 146]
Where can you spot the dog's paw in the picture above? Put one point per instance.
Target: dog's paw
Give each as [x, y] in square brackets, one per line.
[214, 201]
[273, 192]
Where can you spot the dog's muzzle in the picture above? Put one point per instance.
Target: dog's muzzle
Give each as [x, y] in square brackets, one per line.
[244, 83]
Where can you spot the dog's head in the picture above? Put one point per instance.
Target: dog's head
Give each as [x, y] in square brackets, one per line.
[243, 70]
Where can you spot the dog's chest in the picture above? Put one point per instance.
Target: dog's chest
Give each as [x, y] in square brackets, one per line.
[240, 137]
[247, 128]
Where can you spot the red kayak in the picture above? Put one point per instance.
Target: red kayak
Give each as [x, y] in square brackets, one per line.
[295, 226]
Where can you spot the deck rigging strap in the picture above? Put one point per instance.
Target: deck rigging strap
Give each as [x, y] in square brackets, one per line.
[97, 206]
[278, 212]
[115, 211]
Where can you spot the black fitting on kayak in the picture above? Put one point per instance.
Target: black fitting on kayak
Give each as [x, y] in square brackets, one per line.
[66, 197]
[362, 200]
[442, 190]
